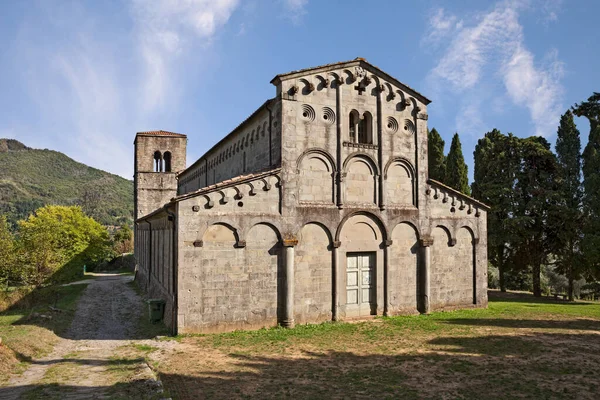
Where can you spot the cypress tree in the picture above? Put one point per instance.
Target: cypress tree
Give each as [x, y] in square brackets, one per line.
[570, 217]
[497, 162]
[456, 170]
[435, 155]
[591, 183]
[536, 229]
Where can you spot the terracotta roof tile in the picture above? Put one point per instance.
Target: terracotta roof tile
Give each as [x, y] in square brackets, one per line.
[160, 133]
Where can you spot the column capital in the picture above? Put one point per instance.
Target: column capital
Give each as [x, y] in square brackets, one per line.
[387, 243]
[426, 241]
[336, 244]
[289, 242]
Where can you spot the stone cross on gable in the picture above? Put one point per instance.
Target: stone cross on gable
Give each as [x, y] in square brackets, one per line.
[360, 87]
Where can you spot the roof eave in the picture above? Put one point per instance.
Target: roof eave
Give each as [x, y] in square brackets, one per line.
[460, 194]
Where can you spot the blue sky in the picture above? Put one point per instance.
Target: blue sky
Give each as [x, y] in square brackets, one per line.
[83, 77]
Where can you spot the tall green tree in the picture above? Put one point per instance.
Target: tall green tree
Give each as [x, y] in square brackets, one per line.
[570, 216]
[436, 157]
[497, 163]
[591, 183]
[7, 253]
[456, 170]
[537, 208]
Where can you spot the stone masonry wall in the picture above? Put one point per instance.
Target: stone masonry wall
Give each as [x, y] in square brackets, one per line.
[255, 145]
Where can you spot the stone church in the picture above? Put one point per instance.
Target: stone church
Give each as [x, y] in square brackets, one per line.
[316, 207]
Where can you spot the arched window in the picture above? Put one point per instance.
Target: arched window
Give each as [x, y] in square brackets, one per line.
[365, 127]
[158, 161]
[352, 125]
[167, 159]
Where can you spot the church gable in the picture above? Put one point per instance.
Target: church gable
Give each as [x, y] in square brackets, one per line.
[358, 72]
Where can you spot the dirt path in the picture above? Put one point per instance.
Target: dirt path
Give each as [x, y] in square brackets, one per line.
[102, 354]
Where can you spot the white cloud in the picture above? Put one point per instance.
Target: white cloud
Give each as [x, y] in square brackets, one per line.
[165, 29]
[491, 49]
[95, 87]
[295, 9]
[441, 26]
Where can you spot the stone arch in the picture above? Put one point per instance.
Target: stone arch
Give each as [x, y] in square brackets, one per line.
[307, 86]
[322, 82]
[219, 235]
[353, 120]
[313, 274]
[237, 233]
[360, 179]
[360, 269]
[349, 76]
[365, 129]
[316, 172]
[336, 80]
[158, 161]
[400, 182]
[403, 269]
[264, 263]
[167, 160]
[381, 226]
[375, 84]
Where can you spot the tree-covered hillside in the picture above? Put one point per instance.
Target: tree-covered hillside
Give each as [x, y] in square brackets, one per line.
[31, 178]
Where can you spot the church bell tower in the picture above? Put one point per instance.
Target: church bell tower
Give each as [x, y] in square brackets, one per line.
[158, 156]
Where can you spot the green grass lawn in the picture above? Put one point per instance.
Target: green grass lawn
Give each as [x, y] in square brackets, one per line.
[519, 347]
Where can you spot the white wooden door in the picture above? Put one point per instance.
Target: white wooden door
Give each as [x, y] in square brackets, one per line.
[360, 282]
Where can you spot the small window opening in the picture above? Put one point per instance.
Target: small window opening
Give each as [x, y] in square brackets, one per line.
[352, 125]
[365, 126]
[158, 161]
[167, 160]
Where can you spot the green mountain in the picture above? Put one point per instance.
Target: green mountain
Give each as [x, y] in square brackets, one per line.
[31, 178]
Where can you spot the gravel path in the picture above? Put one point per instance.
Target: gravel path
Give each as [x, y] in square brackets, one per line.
[90, 361]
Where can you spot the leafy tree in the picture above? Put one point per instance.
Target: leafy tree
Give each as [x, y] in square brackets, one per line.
[456, 170]
[55, 236]
[570, 216]
[7, 252]
[436, 157]
[535, 220]
[497, 163]
[123, 240]
[591, 182]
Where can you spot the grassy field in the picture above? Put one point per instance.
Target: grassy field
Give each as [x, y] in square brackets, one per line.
[30, 328]
[520, 347]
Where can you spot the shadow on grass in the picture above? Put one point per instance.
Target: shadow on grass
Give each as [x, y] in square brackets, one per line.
[520, 297]
[454, 367]
[578, 324]
[547, 365]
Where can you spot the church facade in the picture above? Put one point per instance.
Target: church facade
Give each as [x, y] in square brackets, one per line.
[317, 207]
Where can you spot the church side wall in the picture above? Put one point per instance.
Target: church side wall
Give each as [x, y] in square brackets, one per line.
[155, 257]
[252, 147]
[230, 274]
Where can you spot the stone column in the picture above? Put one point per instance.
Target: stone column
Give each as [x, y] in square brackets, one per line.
[426, 243]
[288, 318]
[336, 275]
[386, 277]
